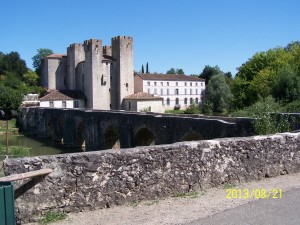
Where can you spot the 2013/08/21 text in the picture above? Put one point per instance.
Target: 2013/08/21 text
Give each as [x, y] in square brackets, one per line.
[253, 193]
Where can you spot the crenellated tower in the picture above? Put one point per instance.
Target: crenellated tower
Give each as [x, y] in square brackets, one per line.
[96, 87]
[123, 72]
[104, 74]
[107, 50]
[76, 55]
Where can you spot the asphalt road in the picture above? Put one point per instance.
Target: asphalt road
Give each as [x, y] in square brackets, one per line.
[264, 211]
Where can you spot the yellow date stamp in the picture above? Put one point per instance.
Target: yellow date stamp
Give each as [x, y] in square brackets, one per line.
[256, 193]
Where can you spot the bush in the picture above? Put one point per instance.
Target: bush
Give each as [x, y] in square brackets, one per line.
[266, 122]
[192, 109]
[259, 106]
[207, 108]
[293, 107]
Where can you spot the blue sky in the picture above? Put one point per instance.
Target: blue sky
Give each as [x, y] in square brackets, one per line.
[187, 34]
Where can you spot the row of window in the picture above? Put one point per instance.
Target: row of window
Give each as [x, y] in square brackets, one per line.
[176, 91]
[64, 104]
[185, 83]
[196, 100]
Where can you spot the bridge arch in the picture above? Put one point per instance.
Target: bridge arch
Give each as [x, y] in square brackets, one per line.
[111, 138]
[144, 137]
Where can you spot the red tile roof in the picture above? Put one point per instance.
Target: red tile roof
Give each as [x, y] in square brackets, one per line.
[142, 96]
[63, 95]
[168, 77]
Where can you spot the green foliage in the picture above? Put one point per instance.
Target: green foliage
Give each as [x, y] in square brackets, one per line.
[37, 59]
[177, 71]
[13, 63]
[207, 107]
[193, 194]
[154, 202]
[218, 93]
[143, 71]
[10, 99]
[18, 151]
[265, 121]
[293, 107]
[259, 106]
[274, 72]
[178, 111]
[208, 72]
[229, 186]
[31, 78]
[51, 217]
[241, 93]
[147, 68]
[192, 109]
[171, 71]
[287, 85]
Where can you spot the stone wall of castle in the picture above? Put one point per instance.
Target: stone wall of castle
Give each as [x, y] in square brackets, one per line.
[76, 54]
[91, 180]
[123, 79]
[104, 81]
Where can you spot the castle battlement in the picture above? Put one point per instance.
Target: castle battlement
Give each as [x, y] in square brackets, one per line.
[74, 45]
[107, 50]
[122, 38]
[104, 84]
[92, 41]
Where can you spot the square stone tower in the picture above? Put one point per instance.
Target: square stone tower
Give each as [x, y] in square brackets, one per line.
[122, 83]
[76, 55]
[95, 87]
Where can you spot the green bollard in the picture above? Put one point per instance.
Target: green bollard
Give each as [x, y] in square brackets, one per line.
[7, 204]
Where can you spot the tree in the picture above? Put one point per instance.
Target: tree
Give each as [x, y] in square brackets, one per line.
[10, 99]
[179, 71]
[12, 62]
[147, 68]
[218, 93]
[208, 72]
[143, 71]
[171, 71]
[31, 78]
[287, 85]
[37, 59]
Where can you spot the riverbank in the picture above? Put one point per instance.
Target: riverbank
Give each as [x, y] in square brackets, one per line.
[178, 210]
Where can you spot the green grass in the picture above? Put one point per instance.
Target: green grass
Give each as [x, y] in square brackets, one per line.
[16, 151]
[11, 126]
[135, 203]
[50, 217]
[193, 194]
[229, 186]
[174, 111]
[154, 202]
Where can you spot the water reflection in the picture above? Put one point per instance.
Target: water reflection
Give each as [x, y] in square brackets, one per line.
[38, 146]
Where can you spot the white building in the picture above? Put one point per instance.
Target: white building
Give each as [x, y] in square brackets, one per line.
[143, 102]
[63, 99]
[176, 90]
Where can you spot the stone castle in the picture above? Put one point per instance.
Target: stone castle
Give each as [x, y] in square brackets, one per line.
[105, 74]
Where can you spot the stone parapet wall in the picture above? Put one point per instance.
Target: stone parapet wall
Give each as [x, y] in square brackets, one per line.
[90, 180]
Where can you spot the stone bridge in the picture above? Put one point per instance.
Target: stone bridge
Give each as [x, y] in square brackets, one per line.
[99, 130]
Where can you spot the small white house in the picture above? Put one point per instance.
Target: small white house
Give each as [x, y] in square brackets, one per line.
[63, 99]
[143, 102]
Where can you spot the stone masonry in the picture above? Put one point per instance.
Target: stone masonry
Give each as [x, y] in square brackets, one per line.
[91, 180]
[103, 73]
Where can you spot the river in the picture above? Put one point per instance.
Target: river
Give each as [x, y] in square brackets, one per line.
[38, 146]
